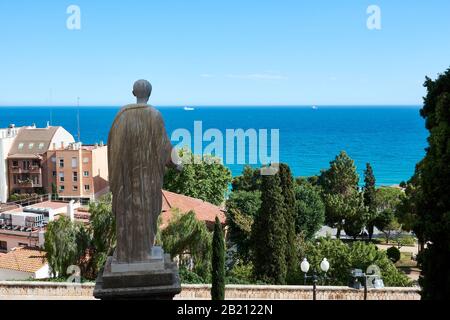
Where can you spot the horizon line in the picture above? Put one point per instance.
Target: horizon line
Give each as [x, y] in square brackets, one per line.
[220, 106]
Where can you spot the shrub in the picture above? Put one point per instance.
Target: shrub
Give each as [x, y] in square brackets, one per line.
[241, 273]
[358, 255]
[393, 254]
[190, 277]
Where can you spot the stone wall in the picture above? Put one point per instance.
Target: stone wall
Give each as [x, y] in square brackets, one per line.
[45, 290]
[299, 293]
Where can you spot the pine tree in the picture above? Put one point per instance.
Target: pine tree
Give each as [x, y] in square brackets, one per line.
[218, 263]
[434, 199]
[269, 234]
[287, 188]
[370, 193]
[340, 185]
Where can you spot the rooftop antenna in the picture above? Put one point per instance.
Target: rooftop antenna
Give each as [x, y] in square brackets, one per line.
[51, 106]
[78, 118]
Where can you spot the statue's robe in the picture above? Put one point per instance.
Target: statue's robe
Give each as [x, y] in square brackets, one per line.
[138, 151]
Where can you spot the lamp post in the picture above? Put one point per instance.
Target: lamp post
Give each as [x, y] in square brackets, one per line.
[305, 266]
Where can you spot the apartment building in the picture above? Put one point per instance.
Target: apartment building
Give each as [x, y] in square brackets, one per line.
[7, 137]
[27, 169]
[41, 158]
[79, 172]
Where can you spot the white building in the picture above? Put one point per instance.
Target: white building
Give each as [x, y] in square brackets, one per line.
[7, 137]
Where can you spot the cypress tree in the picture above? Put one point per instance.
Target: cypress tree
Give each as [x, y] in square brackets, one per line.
[434, 199]
[370, 193]
[218, 263]
[287, 189]
[269, 234]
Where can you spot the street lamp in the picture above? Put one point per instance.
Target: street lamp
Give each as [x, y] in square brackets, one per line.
[305, 266]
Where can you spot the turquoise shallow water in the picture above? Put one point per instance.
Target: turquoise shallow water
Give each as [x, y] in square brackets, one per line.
[392, 139]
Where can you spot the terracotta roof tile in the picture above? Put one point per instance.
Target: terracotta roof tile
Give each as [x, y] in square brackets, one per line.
[23, 259]
[204, 211]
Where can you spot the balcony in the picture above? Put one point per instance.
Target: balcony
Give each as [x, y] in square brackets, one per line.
[28, 183]
[30, 169]
[35, 169]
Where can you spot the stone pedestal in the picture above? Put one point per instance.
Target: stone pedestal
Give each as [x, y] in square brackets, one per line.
[156, 279]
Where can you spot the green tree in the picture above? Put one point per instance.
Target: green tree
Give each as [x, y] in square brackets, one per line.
[340, 185]
[370, 194]
[408, 210]
[434, 202]
[269, 234]
[344, 257]
[289, 210]
[65, 245]
[310, 210]
[218, 263]
[387, 201]
[103, 228]
[250, 180]
[242, 208]
[190, 240]
[205, 179]
[54, 191]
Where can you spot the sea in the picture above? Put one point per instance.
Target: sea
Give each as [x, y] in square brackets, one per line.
[391, 138]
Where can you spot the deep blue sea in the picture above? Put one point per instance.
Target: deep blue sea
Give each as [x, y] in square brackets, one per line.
[392, 139]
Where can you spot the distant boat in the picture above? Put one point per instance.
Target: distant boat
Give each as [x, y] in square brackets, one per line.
[315, 107]
[188, 109]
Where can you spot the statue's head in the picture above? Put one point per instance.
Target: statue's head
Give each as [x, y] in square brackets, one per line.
[142, 90]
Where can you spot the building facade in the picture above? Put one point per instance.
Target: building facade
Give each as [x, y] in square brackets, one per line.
[7, 137]
[27, 163]
[42, 159]
[79, 172]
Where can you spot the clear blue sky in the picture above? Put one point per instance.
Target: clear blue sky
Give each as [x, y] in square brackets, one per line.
[206, 52]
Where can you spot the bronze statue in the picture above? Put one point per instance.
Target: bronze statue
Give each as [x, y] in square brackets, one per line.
[138, 152]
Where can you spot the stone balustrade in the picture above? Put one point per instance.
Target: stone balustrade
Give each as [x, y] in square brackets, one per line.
[51, 290]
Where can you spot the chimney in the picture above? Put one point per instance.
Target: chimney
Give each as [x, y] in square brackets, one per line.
[101, 143]
[62, 145]
[71, 210]
[54, 146]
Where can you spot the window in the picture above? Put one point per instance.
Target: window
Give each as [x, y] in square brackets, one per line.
[86, 160]
[15, 163]
[74, 162]
[26, 165]
[61, 188]
[15, 179]
[31, 145]
[3, 245]
[35, 163]
[75, 176]
[74, 188]
[86, 173]
[23, 244]
[41, 146]
[54, 173]
[87, 187]
[20, 146]
[61, 176]
[61, 163]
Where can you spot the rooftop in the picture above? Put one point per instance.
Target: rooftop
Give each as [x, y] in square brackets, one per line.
[204, 211]
[32, 141]
[49, 205]
[23, 259]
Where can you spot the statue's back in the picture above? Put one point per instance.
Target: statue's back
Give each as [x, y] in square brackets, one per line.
[138, 150]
